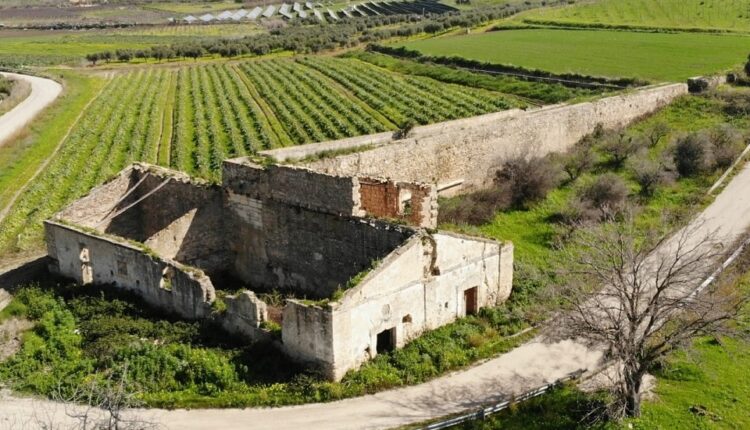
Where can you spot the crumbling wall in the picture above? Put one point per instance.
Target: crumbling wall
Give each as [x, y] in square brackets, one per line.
[411, 202]
[292, 185]
[244, 314]
[178, 217]
[466, 152]
[420, 286]
[280, 244]
[89, 258]
[308, 335]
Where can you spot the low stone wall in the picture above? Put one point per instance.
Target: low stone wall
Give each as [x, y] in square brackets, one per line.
[88, 257]
[464, 153]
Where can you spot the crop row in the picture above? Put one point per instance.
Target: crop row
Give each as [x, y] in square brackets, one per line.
[195, 117]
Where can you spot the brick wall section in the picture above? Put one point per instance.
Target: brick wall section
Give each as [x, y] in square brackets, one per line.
[412, 203]
[379, 198]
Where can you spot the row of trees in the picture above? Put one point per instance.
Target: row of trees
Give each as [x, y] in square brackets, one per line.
[309, 36]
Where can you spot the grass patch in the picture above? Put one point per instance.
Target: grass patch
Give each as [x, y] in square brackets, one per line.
[650, 56]
[82, 332]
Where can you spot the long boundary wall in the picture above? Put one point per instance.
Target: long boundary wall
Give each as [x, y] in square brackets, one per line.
[463, 154]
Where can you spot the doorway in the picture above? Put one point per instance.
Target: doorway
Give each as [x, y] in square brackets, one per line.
[471, 301]
[386, 341]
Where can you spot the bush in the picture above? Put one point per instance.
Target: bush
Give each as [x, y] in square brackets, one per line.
[692, 154]
[620, 146]
[727, 143]
[607, 194]
[527, 181]
[474, 209]
[657, 132]
[649, 175]
[579, 160]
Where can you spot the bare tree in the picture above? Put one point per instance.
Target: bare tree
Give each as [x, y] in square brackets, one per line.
[652, 300]
[102, 404]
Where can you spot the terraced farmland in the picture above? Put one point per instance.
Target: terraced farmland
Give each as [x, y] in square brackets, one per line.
[194, 117]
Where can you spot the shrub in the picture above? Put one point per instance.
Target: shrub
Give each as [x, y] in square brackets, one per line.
[526, 181]
[649, 175]
[657, 132]
[607, 194]
[727, 144]
[692, 154]
[620, 146]
[474, 209]
[578, 161]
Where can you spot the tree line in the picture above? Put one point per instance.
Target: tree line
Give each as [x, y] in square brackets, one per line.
[309, 36]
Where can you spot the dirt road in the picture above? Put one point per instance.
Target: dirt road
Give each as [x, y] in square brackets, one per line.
[43, 92]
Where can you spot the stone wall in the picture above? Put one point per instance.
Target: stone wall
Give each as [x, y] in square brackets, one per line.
[464, 153]
[178, 217]
[91, 257]
[280, 239]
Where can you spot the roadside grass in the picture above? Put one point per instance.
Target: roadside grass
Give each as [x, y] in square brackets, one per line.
[19, 159]
[732, 15]
[88, 332]
[649, 56]
[19, 91]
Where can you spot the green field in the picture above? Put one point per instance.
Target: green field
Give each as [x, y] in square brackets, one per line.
[53, 47]
[650, 56]
[192, 118]
[731, 15]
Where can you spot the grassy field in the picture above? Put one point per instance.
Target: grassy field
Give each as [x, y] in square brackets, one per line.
[192, 118]
[650, 56]
[731, 15]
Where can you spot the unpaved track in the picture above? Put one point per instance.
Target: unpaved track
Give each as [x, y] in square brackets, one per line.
[43, 92]
[528, 366]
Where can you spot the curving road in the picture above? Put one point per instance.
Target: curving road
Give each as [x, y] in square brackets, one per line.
[528, 366]
[43, 92]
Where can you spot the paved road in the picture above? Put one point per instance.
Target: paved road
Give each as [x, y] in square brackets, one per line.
[528, 366]
[43, 92]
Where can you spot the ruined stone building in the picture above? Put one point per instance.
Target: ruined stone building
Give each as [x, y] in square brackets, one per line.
[360, 285]
[349, 237]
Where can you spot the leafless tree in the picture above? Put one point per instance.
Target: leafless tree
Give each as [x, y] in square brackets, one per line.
[641, 296]
[101, 404]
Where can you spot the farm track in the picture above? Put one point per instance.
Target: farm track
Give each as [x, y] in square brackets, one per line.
[4, 211]
[43, 93]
